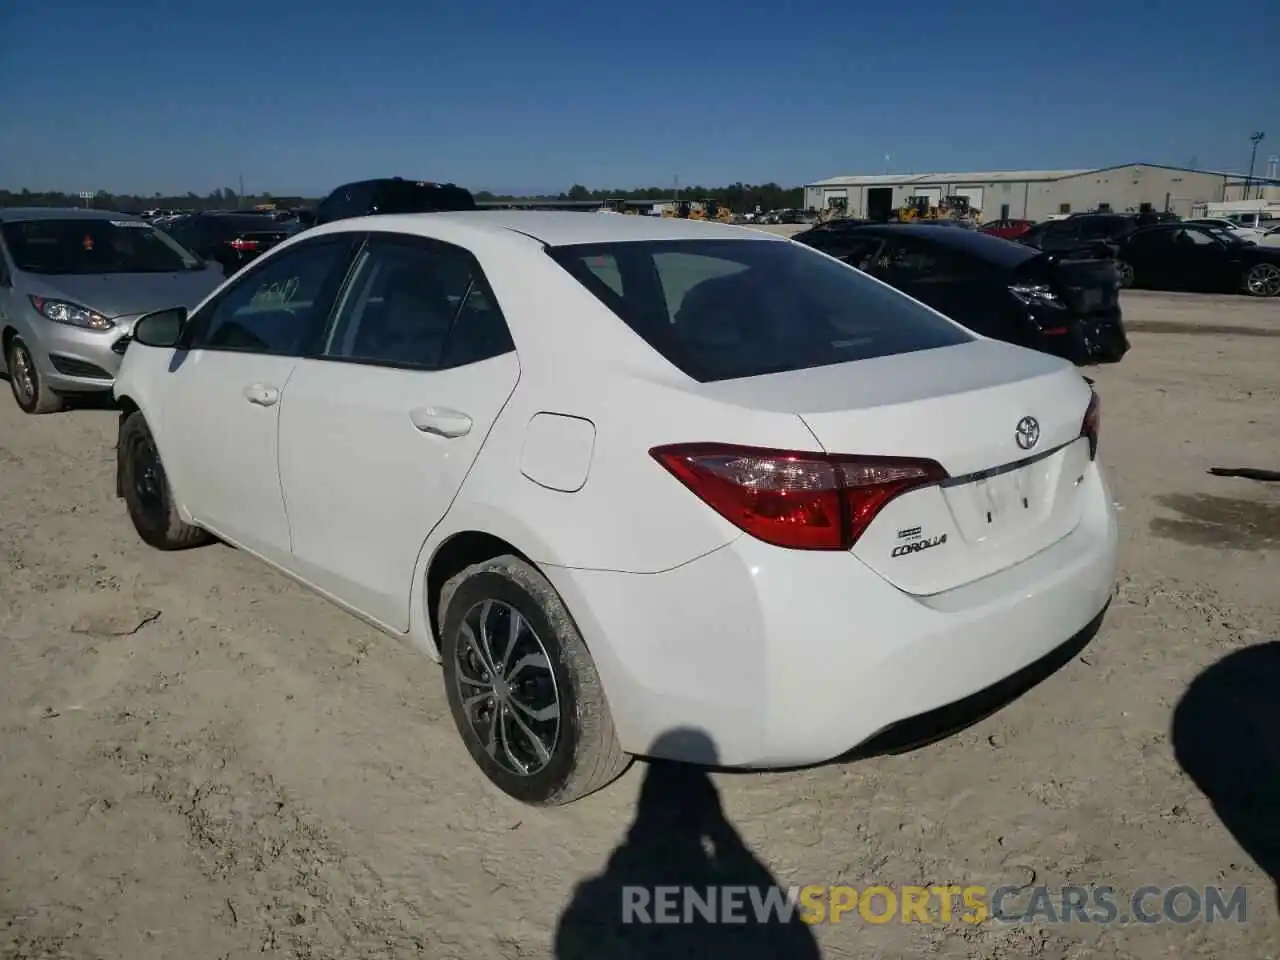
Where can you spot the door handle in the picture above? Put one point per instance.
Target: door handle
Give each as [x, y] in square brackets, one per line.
[441, 421]
[261, 394]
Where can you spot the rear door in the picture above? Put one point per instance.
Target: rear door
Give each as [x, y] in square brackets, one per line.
[1152, 255]
[380, 428]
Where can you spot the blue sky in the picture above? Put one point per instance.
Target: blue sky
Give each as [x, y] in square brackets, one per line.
[297, 97]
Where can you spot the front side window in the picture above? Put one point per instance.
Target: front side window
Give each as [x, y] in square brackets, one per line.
[91, 246]
[417, 304]
[723, 309]
[279, 307]
[1192, 237]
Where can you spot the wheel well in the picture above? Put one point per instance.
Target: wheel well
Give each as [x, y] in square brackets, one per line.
[460, 551]
[6, 338]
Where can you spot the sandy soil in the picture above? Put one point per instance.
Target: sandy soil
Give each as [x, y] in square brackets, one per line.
[200, 760]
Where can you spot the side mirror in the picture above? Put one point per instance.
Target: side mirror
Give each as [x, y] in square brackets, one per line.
[161, 329]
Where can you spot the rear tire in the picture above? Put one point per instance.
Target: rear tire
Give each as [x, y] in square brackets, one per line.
[29, 390]
[1125, 270]
[1262, 280]
[147, 493]
[511, 685]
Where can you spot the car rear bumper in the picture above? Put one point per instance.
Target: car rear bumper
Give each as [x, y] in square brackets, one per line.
[1085, 340]
[785, 658]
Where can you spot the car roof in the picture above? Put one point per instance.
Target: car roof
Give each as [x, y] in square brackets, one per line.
[974, 242]
[62, 213]
[553, 228]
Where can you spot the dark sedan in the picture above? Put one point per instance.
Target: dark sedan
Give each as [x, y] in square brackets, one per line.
[230, 239]
[1189, 256]
[998, 288]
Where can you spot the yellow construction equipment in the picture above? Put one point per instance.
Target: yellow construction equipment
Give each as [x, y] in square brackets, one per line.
[948, 208]
[699, 210]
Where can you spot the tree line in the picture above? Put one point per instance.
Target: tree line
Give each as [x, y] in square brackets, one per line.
[224, 199]
[739, 197]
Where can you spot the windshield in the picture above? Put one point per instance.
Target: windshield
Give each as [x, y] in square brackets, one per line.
[723, 309]
[88, 246]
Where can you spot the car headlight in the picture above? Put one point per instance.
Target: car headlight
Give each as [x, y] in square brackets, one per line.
[72, 314]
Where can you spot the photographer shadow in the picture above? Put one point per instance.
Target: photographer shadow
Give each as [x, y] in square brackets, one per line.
[680, 839]
[1226, 737]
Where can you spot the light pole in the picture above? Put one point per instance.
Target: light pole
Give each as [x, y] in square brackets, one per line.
[1255, 139]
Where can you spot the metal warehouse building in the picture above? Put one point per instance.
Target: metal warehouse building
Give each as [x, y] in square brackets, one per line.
[1029, 194]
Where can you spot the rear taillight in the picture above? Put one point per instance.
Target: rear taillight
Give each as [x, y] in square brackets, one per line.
[1092, 422]
[243, 245]
[805, 501]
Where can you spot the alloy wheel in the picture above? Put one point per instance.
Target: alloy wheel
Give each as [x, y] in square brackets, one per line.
[22, 373]
[1263, 280]
[507, 689]
[1126, 274]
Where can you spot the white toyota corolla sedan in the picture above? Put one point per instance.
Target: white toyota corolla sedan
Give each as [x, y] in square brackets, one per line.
[626, 477]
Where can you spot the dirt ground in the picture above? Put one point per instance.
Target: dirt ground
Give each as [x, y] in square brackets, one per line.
[200, 760]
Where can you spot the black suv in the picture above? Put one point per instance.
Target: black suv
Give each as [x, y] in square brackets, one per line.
[1084, 230]
[392, 195]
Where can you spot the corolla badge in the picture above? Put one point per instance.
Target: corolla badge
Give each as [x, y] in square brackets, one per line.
[1027, 432]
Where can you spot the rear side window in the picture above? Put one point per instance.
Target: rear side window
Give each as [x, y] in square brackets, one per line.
[419, 304]
[724, 309]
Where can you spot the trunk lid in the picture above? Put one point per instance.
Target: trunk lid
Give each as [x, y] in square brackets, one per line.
[961, 406]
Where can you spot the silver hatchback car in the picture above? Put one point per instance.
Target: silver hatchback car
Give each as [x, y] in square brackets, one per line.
[72, 283]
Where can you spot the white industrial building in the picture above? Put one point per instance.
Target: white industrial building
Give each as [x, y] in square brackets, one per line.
[1031, 194]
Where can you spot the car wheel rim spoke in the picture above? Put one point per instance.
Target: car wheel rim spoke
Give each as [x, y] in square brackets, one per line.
[23, 378]
[507, 688]
[1265, 280]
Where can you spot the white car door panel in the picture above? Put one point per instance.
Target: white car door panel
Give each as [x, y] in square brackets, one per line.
[378, 434]
[223, 398]
[227, 445]
[364, 483]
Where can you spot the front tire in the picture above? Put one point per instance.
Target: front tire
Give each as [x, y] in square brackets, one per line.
[29, 390]
[522, 686]
[1125, 270]
[147, 493]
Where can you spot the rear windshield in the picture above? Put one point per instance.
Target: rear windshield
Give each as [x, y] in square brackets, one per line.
[88, 246]
[406, 196]
[723, 309]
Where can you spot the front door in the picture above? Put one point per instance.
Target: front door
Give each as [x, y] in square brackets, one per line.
[228, 382]
[378, 433]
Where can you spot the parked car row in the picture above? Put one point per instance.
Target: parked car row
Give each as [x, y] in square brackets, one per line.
[587, 462]
[1162, 253]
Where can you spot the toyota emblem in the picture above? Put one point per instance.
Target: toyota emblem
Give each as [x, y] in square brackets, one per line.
[1027, 432]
